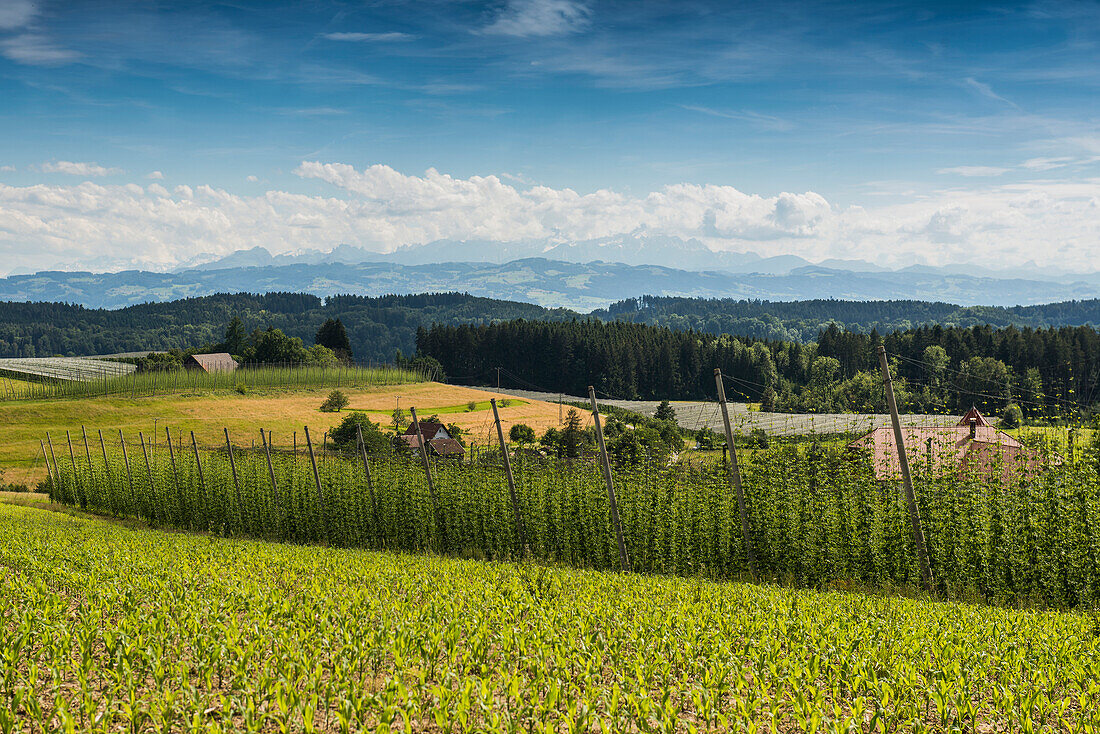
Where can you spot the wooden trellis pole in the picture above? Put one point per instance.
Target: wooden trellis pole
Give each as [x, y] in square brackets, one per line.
[236, 480]
[87, 451]
[80, 485]
[624, 562]
[149, 473]
[49, 469]
[370, 482]
[175, 474]
[271, 469]
[906, 477]
[521, 531]
[735, 476]
[198, 464]
[428, 474]
[129, 474]
[316, 475]
[53, 458]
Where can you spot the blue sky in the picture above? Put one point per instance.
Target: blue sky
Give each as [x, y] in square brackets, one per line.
[151, 133]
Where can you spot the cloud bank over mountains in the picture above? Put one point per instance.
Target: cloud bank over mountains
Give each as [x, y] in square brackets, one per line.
[158, 226]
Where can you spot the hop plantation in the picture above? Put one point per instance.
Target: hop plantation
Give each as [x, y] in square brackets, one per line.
[816, 517]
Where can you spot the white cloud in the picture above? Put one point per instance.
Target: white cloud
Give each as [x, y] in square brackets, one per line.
[1046, 164]
[73, 168]
[381, 209]
[7, 169]
[155, 175]
[251, 179]
[16, 13]
[973, 171]
[371, 37]
[36, 50]
[526, 18]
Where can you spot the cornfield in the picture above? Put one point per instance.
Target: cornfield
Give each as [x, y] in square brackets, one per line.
[181, 381]
[817, 518]
[106, 628]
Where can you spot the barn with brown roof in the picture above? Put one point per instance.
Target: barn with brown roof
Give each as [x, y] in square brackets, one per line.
[218, 362]
[971, 445]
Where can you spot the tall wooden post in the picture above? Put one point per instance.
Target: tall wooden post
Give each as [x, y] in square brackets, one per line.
[428, 474]
[370, 482]
[202, 478]
[906, 477]
[175, 474]
[316, 475]
[87, 451]
[521, 531]
[271, 472]
[103, 448]
[49, 469]
[236, 479]
[129, 474]
[624, 562]
[56, 466]
[82, 496]
[735, 475]
[149, 473]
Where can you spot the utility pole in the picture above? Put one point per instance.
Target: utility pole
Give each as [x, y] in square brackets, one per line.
[498, 378]
[735, 475]
[906, 477]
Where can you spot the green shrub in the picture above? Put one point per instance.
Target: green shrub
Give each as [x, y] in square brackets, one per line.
[521, 433]
[335, 402]
[344, 435]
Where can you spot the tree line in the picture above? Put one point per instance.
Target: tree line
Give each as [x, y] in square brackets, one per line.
[802, 321]
[1047, 372]
[378, 327]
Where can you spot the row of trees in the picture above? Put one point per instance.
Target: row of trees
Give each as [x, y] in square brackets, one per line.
[262, 346]
[376, 327]
[1046, 371]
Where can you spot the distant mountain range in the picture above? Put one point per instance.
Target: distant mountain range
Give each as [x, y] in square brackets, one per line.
[543, 281]
[631, 249]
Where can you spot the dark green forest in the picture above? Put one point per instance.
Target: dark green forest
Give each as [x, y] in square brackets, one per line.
[377, 327]
[797, 356]
[1047, 372]
[802, 321]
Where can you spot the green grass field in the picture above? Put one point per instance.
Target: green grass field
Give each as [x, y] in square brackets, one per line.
[109, 628]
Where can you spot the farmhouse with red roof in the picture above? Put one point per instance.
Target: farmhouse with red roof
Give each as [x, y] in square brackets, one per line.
[971, 445]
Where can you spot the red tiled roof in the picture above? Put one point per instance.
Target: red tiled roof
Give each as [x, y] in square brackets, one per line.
[428, 428]
[446, 447]
[214, 362]
[947, 449]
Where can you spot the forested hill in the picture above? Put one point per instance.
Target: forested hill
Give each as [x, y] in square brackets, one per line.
[376, 327]
[940, 370]
[802, 321]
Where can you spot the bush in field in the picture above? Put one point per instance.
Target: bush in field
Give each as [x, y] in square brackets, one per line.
[521, 433]
[344, 435]
[1012, 417]
[471, 406]
[335, 402]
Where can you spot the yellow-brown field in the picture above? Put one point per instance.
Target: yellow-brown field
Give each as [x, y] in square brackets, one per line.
[23, 424]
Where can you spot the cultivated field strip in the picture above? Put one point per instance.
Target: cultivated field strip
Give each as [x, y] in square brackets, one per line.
[110, 629]
[696, 414]
[817, 516]
[69, 369]
[130, 383]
